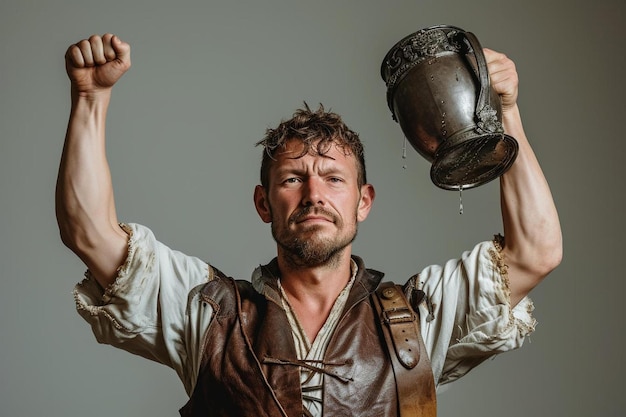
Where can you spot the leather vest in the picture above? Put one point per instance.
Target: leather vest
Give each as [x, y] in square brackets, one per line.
[250, 368]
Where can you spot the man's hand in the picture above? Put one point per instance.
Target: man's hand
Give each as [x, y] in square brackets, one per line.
[95, 64]
[503, 77]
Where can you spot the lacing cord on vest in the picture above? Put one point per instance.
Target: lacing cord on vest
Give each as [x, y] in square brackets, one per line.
[310, 388]
[315, 367]
[311, 366]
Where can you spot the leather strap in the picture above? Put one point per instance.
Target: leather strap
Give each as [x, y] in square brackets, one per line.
[415, 383]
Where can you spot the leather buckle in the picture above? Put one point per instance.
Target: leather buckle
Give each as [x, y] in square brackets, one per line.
[398, 315]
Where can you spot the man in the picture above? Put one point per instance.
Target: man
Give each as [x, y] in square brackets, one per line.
[302, 338]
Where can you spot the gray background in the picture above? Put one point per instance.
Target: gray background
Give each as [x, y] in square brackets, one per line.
[208, 77]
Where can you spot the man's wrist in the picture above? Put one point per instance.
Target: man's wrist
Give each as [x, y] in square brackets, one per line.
[102, 95]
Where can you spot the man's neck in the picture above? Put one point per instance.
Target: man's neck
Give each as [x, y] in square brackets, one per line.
[312, 291]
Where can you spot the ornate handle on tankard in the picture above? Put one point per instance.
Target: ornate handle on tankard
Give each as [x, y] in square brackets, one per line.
[438, 90]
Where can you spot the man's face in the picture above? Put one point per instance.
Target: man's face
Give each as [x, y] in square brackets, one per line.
[313, 203]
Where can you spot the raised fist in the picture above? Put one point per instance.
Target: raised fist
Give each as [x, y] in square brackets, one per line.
[97, 63]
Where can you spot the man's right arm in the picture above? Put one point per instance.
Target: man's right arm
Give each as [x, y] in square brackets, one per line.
[85, 206]
[154, 309]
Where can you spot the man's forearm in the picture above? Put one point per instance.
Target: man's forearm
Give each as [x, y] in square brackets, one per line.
[533, 244]
[84, 196]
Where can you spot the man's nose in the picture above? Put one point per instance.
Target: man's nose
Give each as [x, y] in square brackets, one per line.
[313, 192]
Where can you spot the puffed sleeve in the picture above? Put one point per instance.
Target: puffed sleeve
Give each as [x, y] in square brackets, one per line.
[146, 310]
[466, 316]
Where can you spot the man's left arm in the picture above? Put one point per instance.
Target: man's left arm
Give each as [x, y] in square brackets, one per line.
[532, 232]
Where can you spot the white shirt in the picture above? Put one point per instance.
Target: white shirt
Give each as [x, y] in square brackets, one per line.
[153, 309]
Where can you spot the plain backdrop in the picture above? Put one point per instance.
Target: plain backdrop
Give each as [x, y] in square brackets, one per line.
[208, 78]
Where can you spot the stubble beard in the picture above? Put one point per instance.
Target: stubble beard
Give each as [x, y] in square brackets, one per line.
[307, 248]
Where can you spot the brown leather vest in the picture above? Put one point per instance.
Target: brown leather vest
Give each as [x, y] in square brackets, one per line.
[250, 368]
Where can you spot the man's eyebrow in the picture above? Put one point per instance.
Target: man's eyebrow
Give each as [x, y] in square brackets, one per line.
[326, 170]
[283, 170]
[290, 170]
[331, 170]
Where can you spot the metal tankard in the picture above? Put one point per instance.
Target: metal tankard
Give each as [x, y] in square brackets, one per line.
[438, 91]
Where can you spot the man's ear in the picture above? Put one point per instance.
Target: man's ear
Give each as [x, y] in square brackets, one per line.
[262, 204]
[368, 194]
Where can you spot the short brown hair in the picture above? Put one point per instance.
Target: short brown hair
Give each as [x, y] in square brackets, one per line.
[320, 129]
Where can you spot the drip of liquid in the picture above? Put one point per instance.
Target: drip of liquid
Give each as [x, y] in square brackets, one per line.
[460, 199]
[404, 153]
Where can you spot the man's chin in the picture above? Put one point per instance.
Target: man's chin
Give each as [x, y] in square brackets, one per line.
[311, 254]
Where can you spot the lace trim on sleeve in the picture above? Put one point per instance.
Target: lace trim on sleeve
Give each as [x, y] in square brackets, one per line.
[109, 292]
[122, 270]
[521, 315]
